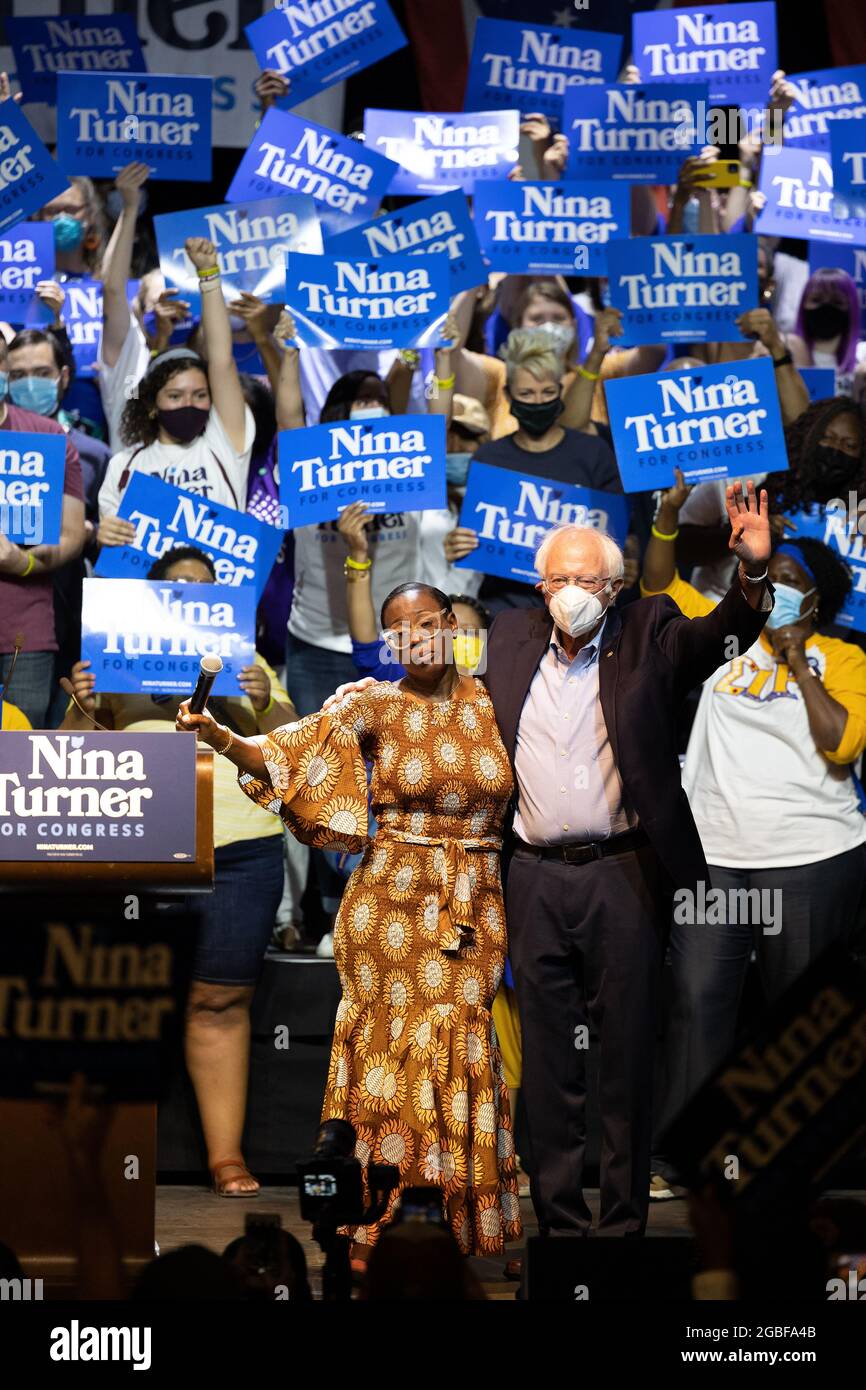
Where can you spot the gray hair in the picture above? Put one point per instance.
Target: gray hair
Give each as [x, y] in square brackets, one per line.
[530, 350]
[612, 553]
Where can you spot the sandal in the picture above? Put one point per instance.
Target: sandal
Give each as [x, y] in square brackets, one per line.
[221, 1187]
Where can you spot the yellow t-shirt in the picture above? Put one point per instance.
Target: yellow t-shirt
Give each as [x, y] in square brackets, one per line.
[13, 719]
[235, 817]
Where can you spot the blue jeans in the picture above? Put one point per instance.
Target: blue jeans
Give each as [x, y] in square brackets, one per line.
[236, 920]
[32, 685]
[312, 674]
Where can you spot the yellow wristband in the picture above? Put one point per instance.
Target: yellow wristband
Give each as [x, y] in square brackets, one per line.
[267, 709]
[30, 563]
[660, 535]
[447, 384]
[590, 376]
[358, 564]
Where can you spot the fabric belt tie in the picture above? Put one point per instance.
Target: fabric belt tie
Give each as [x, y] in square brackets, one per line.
[455, 890]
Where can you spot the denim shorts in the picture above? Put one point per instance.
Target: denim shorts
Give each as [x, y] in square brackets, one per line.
[237, 919]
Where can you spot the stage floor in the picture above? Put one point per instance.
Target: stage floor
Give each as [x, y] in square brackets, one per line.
[194, 1215]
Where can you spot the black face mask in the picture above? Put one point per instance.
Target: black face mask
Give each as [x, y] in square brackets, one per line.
[825, 322]
[835, 469]
[185, 422]
[537, 417]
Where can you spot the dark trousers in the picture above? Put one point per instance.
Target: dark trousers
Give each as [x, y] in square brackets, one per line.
[585, 944]
[819, 904]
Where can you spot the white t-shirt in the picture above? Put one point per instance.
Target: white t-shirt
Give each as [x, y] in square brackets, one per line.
[762, 795]
[705, 506]
[208, 466]
[318, 613]
[433, 568]
[117, 384]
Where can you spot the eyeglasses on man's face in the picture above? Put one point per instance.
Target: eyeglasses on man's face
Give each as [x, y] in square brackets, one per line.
[553, 583]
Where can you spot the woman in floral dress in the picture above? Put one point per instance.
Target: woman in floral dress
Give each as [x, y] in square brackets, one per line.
[420, 937]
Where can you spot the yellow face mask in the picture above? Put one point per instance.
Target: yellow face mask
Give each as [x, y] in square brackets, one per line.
[468, 648]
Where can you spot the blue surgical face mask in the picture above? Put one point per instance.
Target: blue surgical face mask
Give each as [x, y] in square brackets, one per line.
[4, 385]
[68, 232]
[368, 412]
[36, 393]
[456, 468]
[786, 605]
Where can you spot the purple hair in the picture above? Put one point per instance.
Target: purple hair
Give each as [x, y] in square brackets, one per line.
[832, 278]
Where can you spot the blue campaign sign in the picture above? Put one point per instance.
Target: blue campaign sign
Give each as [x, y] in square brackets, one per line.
[436, 151]
[823, 97]
[243, 549]
[640, 134]
[798, 187]
[733, 47]
[532, 66]
[316, 44]
[843, 528]
[511, 513]
[554, 227]
[29, 177]
[86, 43]
[289, 154]
[712, 422]
[32, 468]
[848, 258]
[820, 382]
[390, 464]
[426, 227]
[848, 159]
[26, 257]
[682, 288]
[399, 302]
[82, 318]
[163, 121]
[252, 241]
[148, 636]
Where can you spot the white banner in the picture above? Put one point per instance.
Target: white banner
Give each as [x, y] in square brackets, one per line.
[201, 37]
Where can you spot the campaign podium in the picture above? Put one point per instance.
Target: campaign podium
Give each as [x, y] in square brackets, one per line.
[40, 1198]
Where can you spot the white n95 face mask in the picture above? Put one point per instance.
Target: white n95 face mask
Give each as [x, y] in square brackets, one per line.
[576, 611]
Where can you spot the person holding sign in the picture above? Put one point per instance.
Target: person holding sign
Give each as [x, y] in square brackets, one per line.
[540, 446]
[188, 424]
[420, 937]
[779, 727]
[27, 624]
[236, 920]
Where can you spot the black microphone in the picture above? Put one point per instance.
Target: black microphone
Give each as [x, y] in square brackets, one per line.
[210, 669]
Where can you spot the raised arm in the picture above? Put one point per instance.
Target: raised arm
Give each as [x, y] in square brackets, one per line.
[793, 392]
[287, 393]
[659, 561]
[363, 626]
[117, 261]
[225, 387]
[579, 396]
[698, 646]
[259, 317]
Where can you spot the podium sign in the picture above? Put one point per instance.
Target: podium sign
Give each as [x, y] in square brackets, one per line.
[97, 797]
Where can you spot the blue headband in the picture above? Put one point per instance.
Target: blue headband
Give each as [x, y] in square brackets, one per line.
[791, 548]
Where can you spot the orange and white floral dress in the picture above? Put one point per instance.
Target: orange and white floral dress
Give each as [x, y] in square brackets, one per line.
[419, 940]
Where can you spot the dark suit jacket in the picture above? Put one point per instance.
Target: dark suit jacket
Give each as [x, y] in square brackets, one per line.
[650, 658]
